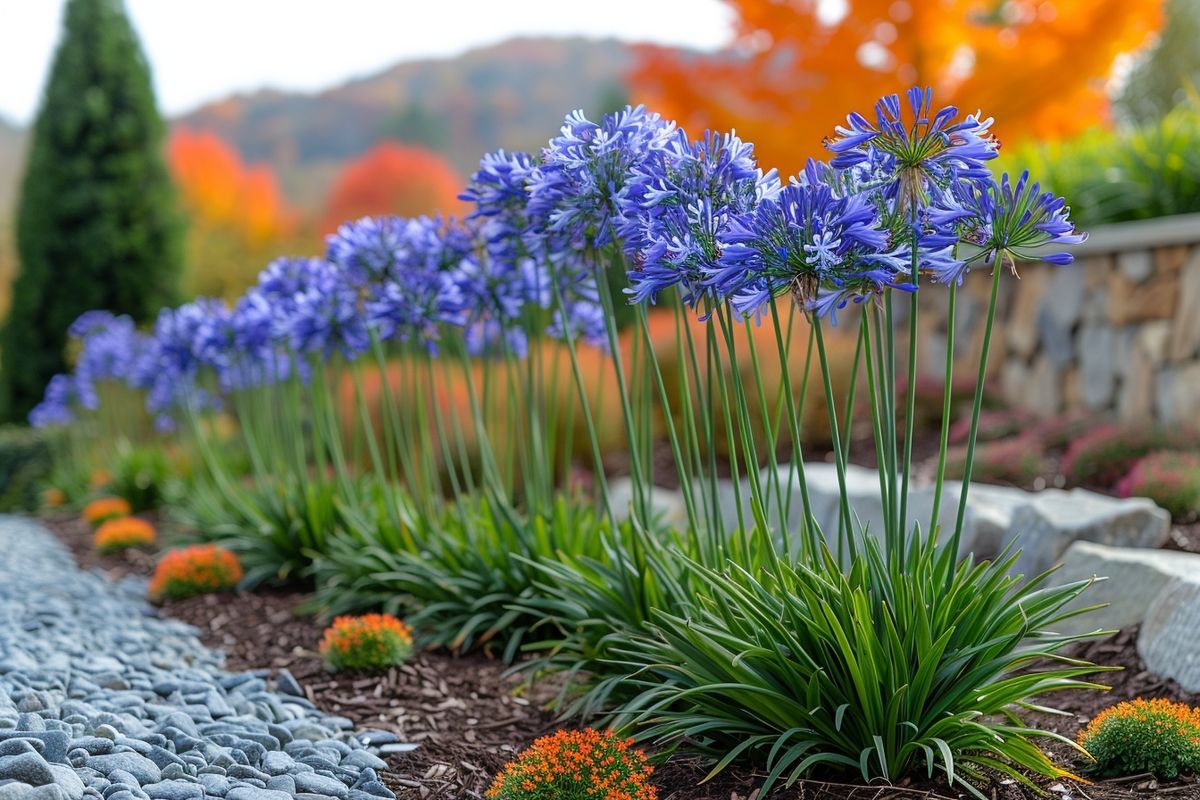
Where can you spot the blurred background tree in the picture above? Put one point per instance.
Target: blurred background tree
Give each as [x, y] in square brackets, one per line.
[97, 221]
[238, 217]
[392, 178]
[1164, 76]
[794, 67]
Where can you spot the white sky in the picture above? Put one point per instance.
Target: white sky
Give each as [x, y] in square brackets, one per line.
[204, 50]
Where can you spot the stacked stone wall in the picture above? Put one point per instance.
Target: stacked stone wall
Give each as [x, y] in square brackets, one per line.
[1118, 332]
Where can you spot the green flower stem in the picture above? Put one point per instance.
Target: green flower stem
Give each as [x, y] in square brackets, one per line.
[845, 529]
[874, 391]
[809, 533]
[977, 405]
[947, 392]
[910, 403]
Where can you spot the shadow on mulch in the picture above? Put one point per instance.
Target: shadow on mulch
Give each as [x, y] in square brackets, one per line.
[470, 719]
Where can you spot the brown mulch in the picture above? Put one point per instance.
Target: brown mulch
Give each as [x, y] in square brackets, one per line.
[469, 718]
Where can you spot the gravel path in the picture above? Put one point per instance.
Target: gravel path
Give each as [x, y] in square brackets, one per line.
[101, 698]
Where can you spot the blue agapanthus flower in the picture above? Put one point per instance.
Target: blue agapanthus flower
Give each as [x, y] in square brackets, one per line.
[368, 249]
[680, 202]
[58, 403]
[1005, 223]
[109, 346]
[419, 291]
[584, 170]
[499, 189]
[806, 239]
[914, 158]
[326, 316]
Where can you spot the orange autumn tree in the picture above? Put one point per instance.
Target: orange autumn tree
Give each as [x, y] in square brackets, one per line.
[796, 67]
[393, 178]
[239, 218]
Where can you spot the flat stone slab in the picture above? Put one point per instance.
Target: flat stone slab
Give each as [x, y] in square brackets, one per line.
[1133, 580]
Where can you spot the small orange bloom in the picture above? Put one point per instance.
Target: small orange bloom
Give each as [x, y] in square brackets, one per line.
[101, 478]
[106, 508]
[194, 570]
[371, 641]
[1156, 736]
[122, 533]
[54, 497]
[586, 763]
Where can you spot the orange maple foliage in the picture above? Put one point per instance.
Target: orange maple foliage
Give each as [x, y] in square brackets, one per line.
[393, 178]
[796, 67]
[219, 189]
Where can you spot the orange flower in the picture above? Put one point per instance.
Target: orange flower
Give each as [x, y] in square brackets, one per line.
[584, 763]
[101, 478]
[122, 533]
[194, 570]
[1156, 736]
[371, 641]
[54, 497]
[106, 508]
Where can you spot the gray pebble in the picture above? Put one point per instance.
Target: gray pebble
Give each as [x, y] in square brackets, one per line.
[28, 768]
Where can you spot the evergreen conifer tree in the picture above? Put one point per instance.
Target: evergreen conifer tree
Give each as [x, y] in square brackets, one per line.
[97, 221]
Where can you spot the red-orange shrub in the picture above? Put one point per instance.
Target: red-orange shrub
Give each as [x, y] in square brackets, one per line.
[574, 765]
[194, 570]
[123, 533]
[105, 508]
[371, 641]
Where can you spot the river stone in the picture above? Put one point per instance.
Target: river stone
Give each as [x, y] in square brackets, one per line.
[1133, 579]
[28, 768]
[1169, 640]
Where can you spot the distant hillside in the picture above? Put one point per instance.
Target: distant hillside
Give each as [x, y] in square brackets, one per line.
[510, 95]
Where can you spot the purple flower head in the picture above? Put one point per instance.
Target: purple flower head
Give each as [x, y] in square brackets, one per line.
[421, 291]
[585, 169]
[1005, 222]
[500, 191]
[913, 158]
[89, 322]
[57, 406]
[109, 347]
[499, 299]
[326, 317]
[806, 238]
[679, 203]
[369, 249]
[585, 321]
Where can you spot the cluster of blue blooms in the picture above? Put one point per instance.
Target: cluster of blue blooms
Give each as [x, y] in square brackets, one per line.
[907, 195]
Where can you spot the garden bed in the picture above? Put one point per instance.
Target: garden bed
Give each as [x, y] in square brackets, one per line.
[469, 717]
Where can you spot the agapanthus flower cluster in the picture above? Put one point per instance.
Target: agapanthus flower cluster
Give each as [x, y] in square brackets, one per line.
[679, 209]
[906, 195]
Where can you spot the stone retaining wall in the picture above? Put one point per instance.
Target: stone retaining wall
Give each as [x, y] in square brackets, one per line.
[1116, 332]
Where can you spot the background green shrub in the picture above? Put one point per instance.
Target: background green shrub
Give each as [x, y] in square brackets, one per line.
[26, 460]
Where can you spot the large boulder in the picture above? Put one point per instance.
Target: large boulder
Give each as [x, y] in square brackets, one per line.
[1132, 580]
[1169, 641]
[1054, 519]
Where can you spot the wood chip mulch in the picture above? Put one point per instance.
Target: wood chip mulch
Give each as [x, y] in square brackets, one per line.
[468, 718]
